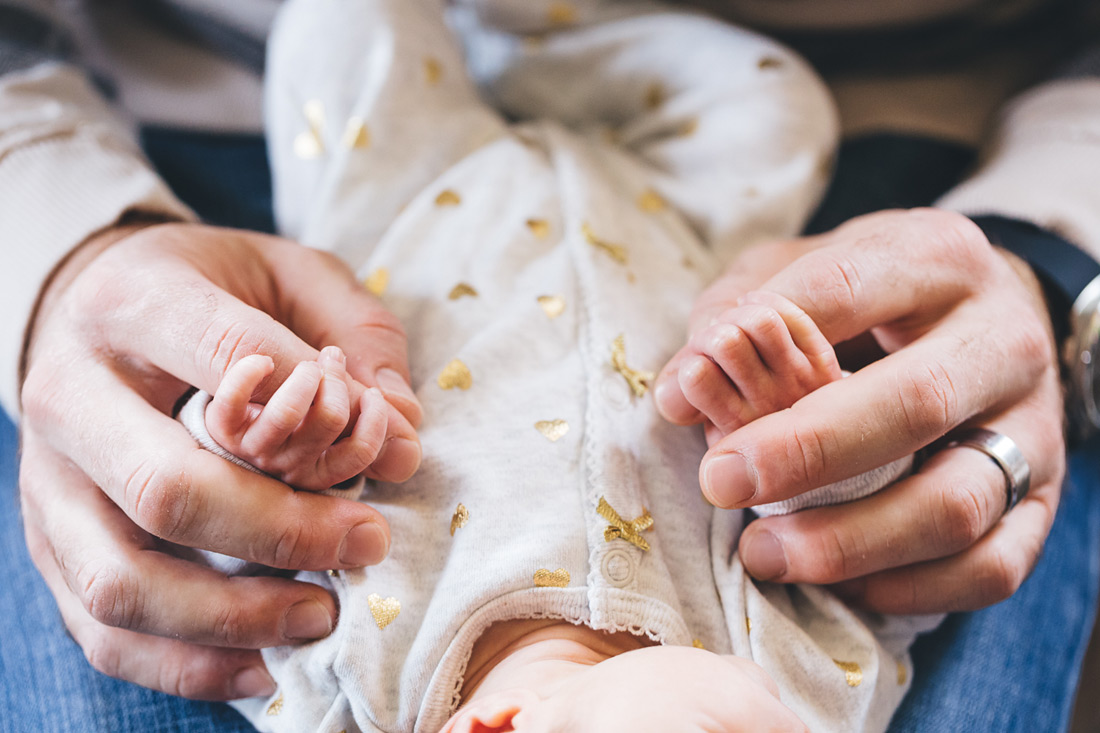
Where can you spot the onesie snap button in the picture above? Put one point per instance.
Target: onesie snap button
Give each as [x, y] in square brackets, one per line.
[618, 567]
[616, 391]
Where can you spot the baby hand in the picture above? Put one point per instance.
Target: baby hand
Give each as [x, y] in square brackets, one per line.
[297, 435]
[759, 357]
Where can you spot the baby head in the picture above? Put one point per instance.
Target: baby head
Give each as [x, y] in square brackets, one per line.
[658, 689]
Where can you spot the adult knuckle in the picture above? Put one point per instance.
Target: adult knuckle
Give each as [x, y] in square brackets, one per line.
[837, 282]
[1002, 576]
[111, 594]
[225, 340]
[1031, 346]
[955, 238]
[805, 453]
[291, 547]
[42, 394]
[835, 556]
[962, 513]
[103, 653]
[230, 625]
[162, 499]
[191, 681]
[929, 401]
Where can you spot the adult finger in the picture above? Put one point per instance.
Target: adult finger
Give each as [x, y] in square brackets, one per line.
[215, 291]
[908, 267]
[169, 665]
[957, 497]
[123, 577]
[179, 492]
[990, 571]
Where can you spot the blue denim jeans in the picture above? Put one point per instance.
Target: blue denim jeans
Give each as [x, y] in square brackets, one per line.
[1012, 667]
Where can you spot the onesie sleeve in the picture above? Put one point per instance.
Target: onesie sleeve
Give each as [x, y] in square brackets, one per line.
[358, 131]
[68, 168]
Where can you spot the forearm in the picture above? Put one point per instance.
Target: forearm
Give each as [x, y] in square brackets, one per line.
[68, 169]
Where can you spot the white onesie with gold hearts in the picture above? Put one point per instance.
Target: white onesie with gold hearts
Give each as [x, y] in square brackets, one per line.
[542, 235]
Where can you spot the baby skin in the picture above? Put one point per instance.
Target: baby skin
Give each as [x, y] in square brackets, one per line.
[542, 676]
[554, 677]
[309, 434]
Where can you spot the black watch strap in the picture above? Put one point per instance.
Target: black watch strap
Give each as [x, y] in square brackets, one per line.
[1063, 268]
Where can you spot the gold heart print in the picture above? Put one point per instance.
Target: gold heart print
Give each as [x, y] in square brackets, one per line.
[377, 281]
[384, 610]
[433, 71]
[356, 134]
[461, 290]
[455, 374]
[448, 198]
[276, 706]
[651, 201]
[552, 430]
[552, 305]
[547, 579]
[539, 227]
[853, 675]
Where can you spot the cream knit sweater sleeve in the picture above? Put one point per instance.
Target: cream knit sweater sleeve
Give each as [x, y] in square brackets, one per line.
[1043, 163]
[68, 166]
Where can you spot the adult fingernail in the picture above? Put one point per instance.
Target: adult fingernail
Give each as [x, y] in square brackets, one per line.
[307, 620]
[365, 544]
[394, 385]
[763, 556]
[398, 459]
[253, 682]
[728, 480]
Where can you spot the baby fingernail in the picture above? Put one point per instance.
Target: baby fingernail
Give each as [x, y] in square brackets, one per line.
[364, 544]
[394, 384]
[398, 459]
[307, 620]
[763, 556]
[728, 480]
[253, 682]
[333, 354]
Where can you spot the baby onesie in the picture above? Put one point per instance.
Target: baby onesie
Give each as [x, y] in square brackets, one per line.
[542, 233]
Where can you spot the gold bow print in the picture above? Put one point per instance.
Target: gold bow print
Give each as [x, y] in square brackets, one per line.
[638, 380]
[620, 529]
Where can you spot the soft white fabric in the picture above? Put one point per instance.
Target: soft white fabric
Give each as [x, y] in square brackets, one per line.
[446, 193]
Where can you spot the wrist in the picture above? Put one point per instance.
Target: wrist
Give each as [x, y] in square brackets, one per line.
[1070, 281]
[69, 267]
[1036, 293]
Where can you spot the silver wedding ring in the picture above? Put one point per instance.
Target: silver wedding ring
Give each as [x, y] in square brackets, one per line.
[1004, 452]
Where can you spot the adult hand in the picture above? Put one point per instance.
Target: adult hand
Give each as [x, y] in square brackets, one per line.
[115, 492]
[967, 342]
